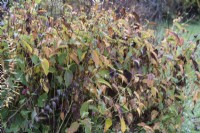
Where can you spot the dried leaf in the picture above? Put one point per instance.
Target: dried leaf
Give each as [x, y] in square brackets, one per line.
[154, 114]
[198, 75]
[95, 57]
[74, 57]
[178, 40]
[129, 118]
[146, 127]
[62, 116]
[73, 127]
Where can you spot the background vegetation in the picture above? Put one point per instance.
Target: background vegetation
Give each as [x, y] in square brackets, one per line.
[99, 66]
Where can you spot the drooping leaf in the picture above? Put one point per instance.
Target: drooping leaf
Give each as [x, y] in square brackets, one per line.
[87, 125]
[45, 66]
[100, 80]
[62, 116]
[27, 46]
[74, 57]
[42, 99]
[84, 109]
[95, 57]
[73, 128]
[37, 1]
[108, 124]
[35, 59]
[46, 89]
[123, 125]
[146, 127]
[68, 77]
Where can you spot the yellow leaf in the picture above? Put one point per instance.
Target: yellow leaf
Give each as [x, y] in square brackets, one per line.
[139, 111]
[123, 125]
[45, 66]
[27, 46]
[46, 89]
[45, 85]
[108, 124]
[95, 57]
[154, 91]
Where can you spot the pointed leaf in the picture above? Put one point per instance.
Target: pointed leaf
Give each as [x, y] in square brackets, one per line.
[95, 57]
[68, 77]
[108, 124]
[104, 82]
[45, 66]
[73, 128]
[84, 109]
[123, 125]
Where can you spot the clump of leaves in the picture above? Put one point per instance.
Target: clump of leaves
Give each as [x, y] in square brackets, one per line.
[92, 73]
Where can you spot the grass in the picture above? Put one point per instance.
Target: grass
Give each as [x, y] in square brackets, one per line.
[191, 112]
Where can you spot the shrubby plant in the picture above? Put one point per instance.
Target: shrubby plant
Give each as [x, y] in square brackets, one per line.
[96, 72]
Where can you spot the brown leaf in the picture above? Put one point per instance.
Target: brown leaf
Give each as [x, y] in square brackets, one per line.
[74, 57]
[154, 56]
[154, 114]
[62, 116]
[146, 127]
[129, 118]
[178, 40]
[41, 11]
[136, 16]
[198, 75]
[119, 110]
[133, 103]
[196, 96]
[110, 31]
[95, 57]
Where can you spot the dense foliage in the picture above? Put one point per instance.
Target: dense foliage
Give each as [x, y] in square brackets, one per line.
[96, 72]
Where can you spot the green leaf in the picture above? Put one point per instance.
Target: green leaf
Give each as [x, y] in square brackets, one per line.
[68, 77]
[79, 53]
[45, 129]
[108, 124]
[104, 82]
[37, 1]
[87, 125]
[84, 109]
[25, 113]
[62, 58]
[104, 73]
[27, 46]
[45, 66]
[35, 59]
[42, 99]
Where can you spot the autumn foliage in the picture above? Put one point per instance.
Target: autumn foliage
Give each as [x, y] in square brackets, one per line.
[96, 72]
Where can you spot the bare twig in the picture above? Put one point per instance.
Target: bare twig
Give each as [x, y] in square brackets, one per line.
[65, 117]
